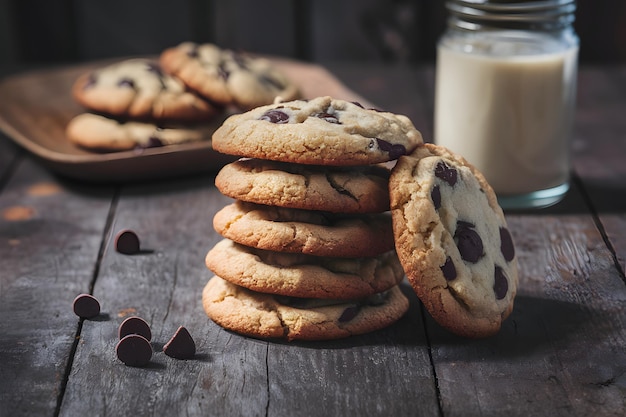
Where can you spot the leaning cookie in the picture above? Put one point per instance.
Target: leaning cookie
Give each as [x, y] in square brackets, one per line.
[305, 231]
[299, 275]
[103, 134]
[361, 189]
[139, 89]
[273, 317]
[453, 242]
[321, 131]
[227, 77]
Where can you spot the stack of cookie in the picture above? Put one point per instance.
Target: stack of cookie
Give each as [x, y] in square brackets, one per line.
[177, 98]
[308, 249]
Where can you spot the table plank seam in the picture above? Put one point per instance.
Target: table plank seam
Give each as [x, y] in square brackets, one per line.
[431, 359]
[72, 354]
[599, 225]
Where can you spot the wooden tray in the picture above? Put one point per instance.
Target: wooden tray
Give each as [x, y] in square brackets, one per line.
[35, 108]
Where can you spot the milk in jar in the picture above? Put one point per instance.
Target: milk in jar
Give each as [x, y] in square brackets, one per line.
[504, 100]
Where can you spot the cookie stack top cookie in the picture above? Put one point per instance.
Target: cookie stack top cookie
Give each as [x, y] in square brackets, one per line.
[320, 131]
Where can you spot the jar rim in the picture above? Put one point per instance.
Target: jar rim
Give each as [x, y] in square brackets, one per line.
[559, 13]
[516, 6]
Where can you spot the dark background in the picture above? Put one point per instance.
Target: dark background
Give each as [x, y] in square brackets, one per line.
[58, 31]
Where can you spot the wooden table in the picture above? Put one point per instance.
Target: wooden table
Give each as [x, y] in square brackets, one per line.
[561, 353]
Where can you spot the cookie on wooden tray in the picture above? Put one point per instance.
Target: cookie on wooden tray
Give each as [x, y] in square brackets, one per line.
[301, 275]
[321, 131]
[453, 242]
[139, 89]
[305, 231]
[103, 134]
[227, 77]
[333, 189]
[274, 317]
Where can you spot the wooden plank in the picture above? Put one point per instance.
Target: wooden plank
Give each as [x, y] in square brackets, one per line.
[174, 223]
[599, 150]
[386, 373]
[233, 374]
[50, 235]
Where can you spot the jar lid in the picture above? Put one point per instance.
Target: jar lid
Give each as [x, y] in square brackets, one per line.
[473, 14]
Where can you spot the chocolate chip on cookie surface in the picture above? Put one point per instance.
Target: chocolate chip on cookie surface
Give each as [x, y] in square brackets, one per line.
[452, 240]
[321, 131]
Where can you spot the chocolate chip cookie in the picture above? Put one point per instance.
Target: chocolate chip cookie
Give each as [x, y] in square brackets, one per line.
[452, 240]
[321, 131]
[139, 89]
[227, 77]
[300, 275]
[305, 231]
[276, 317]
[333, 189]
[104, 134]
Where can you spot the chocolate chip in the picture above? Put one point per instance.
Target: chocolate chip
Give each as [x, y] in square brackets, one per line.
[222, 71]
[330, 118]
[127, 242]
[395, 150]
[134, 325]
[181, 345]
[240, 60]
[446, 173]
[435, 195]
[126, 82]
[468, 242]
[266, 79]
[154, 68]
[193, 52]
[448, 269]
[500, 284]
[349, 313]
[86, 306]
[134, 350]
[275, 116]
[506, 244]
[91, 81]
[153, 142]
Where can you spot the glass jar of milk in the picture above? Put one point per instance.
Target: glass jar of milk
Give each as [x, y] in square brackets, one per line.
[505, 94]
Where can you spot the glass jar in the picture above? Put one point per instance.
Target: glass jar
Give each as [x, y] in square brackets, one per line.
[505, 94]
